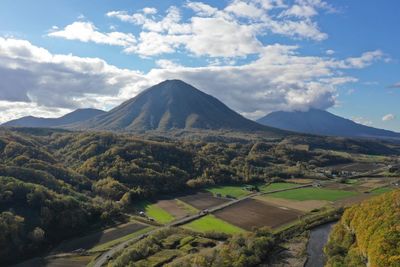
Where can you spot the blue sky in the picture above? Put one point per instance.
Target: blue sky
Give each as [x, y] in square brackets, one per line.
[257, 56]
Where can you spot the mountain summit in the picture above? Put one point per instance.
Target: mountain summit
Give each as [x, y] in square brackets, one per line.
[315, 121]
[172, 104]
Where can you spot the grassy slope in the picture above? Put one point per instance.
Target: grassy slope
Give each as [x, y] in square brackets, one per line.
[211, 223]
[314, 194]
[115, 242]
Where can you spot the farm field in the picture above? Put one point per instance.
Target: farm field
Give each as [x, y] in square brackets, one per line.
[235, 191]
[276, 186]
[314, 194]
[95, 239]
[156, 212]
[252, 213]
[303, 206]
[212, 223]
[78, 261]
[203, 200]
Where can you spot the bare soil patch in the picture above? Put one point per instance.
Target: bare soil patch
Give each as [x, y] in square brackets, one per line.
[300, 181]
[203, 200]
[92, 240]
[303, 206]
[352, 200]
[172, 207]
[358, 167]
[252, 213]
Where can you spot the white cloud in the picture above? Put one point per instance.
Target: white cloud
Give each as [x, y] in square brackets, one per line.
[279, 79]
[330, 52]
[33, 74]
[167, 64]
[364, 60]
[362, 121]
[87, 32]
[232, 31]
[388, 117]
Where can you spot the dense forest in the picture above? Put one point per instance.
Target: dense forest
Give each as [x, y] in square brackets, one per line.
[367, 234]
[56, 184]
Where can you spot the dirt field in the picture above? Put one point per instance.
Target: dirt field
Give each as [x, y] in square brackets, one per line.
[203, 200]
[256, 213]
[89, 241]
[172, 207]
[340, 186]
[303, 206]
[299, 181]
[352, 200]
[358, 167]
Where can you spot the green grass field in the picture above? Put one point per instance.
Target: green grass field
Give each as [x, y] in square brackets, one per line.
[155, 212]
[276, 186]
[381, 190]
[314, 194]
[235, 191]
[211, 223]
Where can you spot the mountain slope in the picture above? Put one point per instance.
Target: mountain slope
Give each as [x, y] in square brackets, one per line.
[322, 122]
[172, 104]
[73, 117]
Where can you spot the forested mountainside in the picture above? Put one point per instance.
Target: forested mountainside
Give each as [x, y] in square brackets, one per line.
[367, 234]
[89, 179]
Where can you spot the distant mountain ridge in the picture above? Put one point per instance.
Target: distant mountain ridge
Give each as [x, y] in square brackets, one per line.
[321, 122]
[172, 104]
[70, 118]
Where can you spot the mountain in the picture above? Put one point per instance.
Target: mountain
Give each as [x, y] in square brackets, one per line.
[172, 104]
[322, 122]
[78, 115]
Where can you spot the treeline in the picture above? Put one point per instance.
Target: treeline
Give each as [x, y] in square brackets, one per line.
[367, 234]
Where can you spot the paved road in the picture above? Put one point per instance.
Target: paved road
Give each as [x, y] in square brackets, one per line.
[102, 260]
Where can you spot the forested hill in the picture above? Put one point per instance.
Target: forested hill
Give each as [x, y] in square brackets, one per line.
[56, 184]
[367, 234]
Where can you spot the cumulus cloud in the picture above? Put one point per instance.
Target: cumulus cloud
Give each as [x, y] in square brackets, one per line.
[40, 82]
[388, 117]
[236, 28]
[87, 32]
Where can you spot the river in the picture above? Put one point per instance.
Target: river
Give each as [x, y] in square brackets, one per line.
[318, 238]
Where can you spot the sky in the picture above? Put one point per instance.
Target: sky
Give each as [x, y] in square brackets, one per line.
[256, 56]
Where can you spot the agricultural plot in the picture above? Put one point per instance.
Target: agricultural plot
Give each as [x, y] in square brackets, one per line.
[312, 193]
[235, 191]
[358, 167]
[77, 261]
[252, 213]
[211, 223]
[276, 186]
[154, 211]
[203, 200]
[95, 239]
[303, 206]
